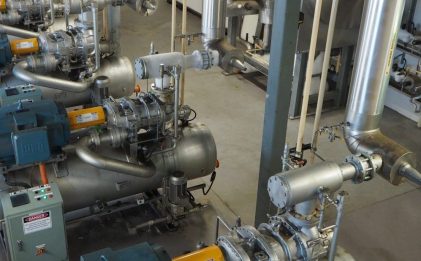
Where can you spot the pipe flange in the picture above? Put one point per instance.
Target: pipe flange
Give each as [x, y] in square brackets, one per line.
[267, 244]
[231, 247]
[206, 60]
[141, 69]
[366, 166]
[360, 174]
[273, 231]
[279, 191]
[94, 138]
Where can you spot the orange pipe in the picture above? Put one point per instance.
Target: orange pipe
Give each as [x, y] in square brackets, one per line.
[43, 174]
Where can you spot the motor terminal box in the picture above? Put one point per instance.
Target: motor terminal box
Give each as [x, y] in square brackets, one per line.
[24, 93]
[33, 225]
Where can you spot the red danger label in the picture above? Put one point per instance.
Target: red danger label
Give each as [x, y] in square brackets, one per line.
[36, 217]
[36, 222]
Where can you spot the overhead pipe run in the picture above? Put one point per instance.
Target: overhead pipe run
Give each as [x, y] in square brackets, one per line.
[377, 42]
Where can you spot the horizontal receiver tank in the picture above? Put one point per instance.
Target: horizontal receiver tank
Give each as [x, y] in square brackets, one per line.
[83, 185]
[118, 70]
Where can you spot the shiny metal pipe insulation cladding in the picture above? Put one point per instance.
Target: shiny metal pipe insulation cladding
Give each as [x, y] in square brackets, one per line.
[370, 79]
[213, 20]
[296, 186]
[119, 71]
[83, 185]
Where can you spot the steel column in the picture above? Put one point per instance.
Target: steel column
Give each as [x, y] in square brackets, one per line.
[284, 41]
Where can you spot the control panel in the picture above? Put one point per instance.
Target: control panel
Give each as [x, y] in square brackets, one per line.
[34, 224]
[24, 93]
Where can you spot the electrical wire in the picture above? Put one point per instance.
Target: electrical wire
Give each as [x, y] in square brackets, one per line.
[212, 180]
[194, 117]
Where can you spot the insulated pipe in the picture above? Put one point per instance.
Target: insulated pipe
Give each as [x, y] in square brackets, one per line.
[183, 50]
[370, 79]
[148, 67]
[213, 21]
[266, 11]
[105, 163]
[309, 75]
[242, 8]
[326, 62]
[113, 25]
[173, 24]
[17, 32]
[20, 71]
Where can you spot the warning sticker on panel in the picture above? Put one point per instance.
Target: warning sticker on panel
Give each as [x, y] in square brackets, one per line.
[36, 222]
[87, 117]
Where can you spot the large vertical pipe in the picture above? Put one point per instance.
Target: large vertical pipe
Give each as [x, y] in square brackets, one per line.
[370, 80]
[114, 28]
[309, 75]
[266, 18]
[173, 24]
[373, 61]
[183, 48]
[94, 7]
[213, 20]
[325, 69]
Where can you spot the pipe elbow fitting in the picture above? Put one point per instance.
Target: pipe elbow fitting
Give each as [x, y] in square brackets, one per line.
[22, 71]
[90, 157]
[393, 154]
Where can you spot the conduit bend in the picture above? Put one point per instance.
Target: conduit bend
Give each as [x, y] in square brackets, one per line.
[370, 80]
[83, 151]
[21, 71]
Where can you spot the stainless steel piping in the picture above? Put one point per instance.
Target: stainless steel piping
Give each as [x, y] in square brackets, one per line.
[266, 11]
[17, 32]
[242, 8]
[52, 18]
[177, 74]
[94, 10]
[213, 20]
[370, 79]
[21, 71]
[113, 19]
[83, 151]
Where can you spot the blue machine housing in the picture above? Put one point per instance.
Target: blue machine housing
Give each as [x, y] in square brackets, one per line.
[32, 132]
[5, 51]
[143, 251]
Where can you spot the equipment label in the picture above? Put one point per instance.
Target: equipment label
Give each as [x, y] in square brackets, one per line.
[36, 222]
[24, 45]
[87, 117]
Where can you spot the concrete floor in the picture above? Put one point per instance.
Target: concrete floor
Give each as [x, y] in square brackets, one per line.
[381, 221]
